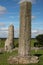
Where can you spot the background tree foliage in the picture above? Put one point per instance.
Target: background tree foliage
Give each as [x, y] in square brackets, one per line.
[39, 39]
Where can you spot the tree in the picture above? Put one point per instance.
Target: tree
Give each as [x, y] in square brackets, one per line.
[39, 39]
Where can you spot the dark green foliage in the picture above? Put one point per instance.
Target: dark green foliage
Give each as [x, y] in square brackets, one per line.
[39, 42]
[39, 39]
[35, 44]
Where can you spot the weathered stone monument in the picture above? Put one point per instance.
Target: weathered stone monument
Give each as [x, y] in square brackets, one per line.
[25, 28]
[9, 43]
[24, 49]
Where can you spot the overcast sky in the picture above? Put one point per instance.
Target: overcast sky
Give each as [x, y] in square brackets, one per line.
[9, 14]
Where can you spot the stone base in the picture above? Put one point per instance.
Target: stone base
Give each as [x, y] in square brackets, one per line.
[23, 60]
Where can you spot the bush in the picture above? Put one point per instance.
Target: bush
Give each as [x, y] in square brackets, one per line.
[36, 44]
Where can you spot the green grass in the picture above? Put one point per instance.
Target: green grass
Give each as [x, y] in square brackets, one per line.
[5, 55]
[37, 52]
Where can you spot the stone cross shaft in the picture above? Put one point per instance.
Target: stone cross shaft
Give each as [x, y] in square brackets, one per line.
[25, 29]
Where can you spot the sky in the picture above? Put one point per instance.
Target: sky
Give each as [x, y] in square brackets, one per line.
[10, 14]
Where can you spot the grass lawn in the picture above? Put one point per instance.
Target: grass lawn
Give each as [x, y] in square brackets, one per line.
[4, 56]
[37, 52]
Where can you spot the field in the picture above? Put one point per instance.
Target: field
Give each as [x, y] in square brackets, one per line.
[4, 56]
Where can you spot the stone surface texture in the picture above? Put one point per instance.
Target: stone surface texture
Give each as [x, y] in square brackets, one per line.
[9, 43]
[23, 60]
[25, 29]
